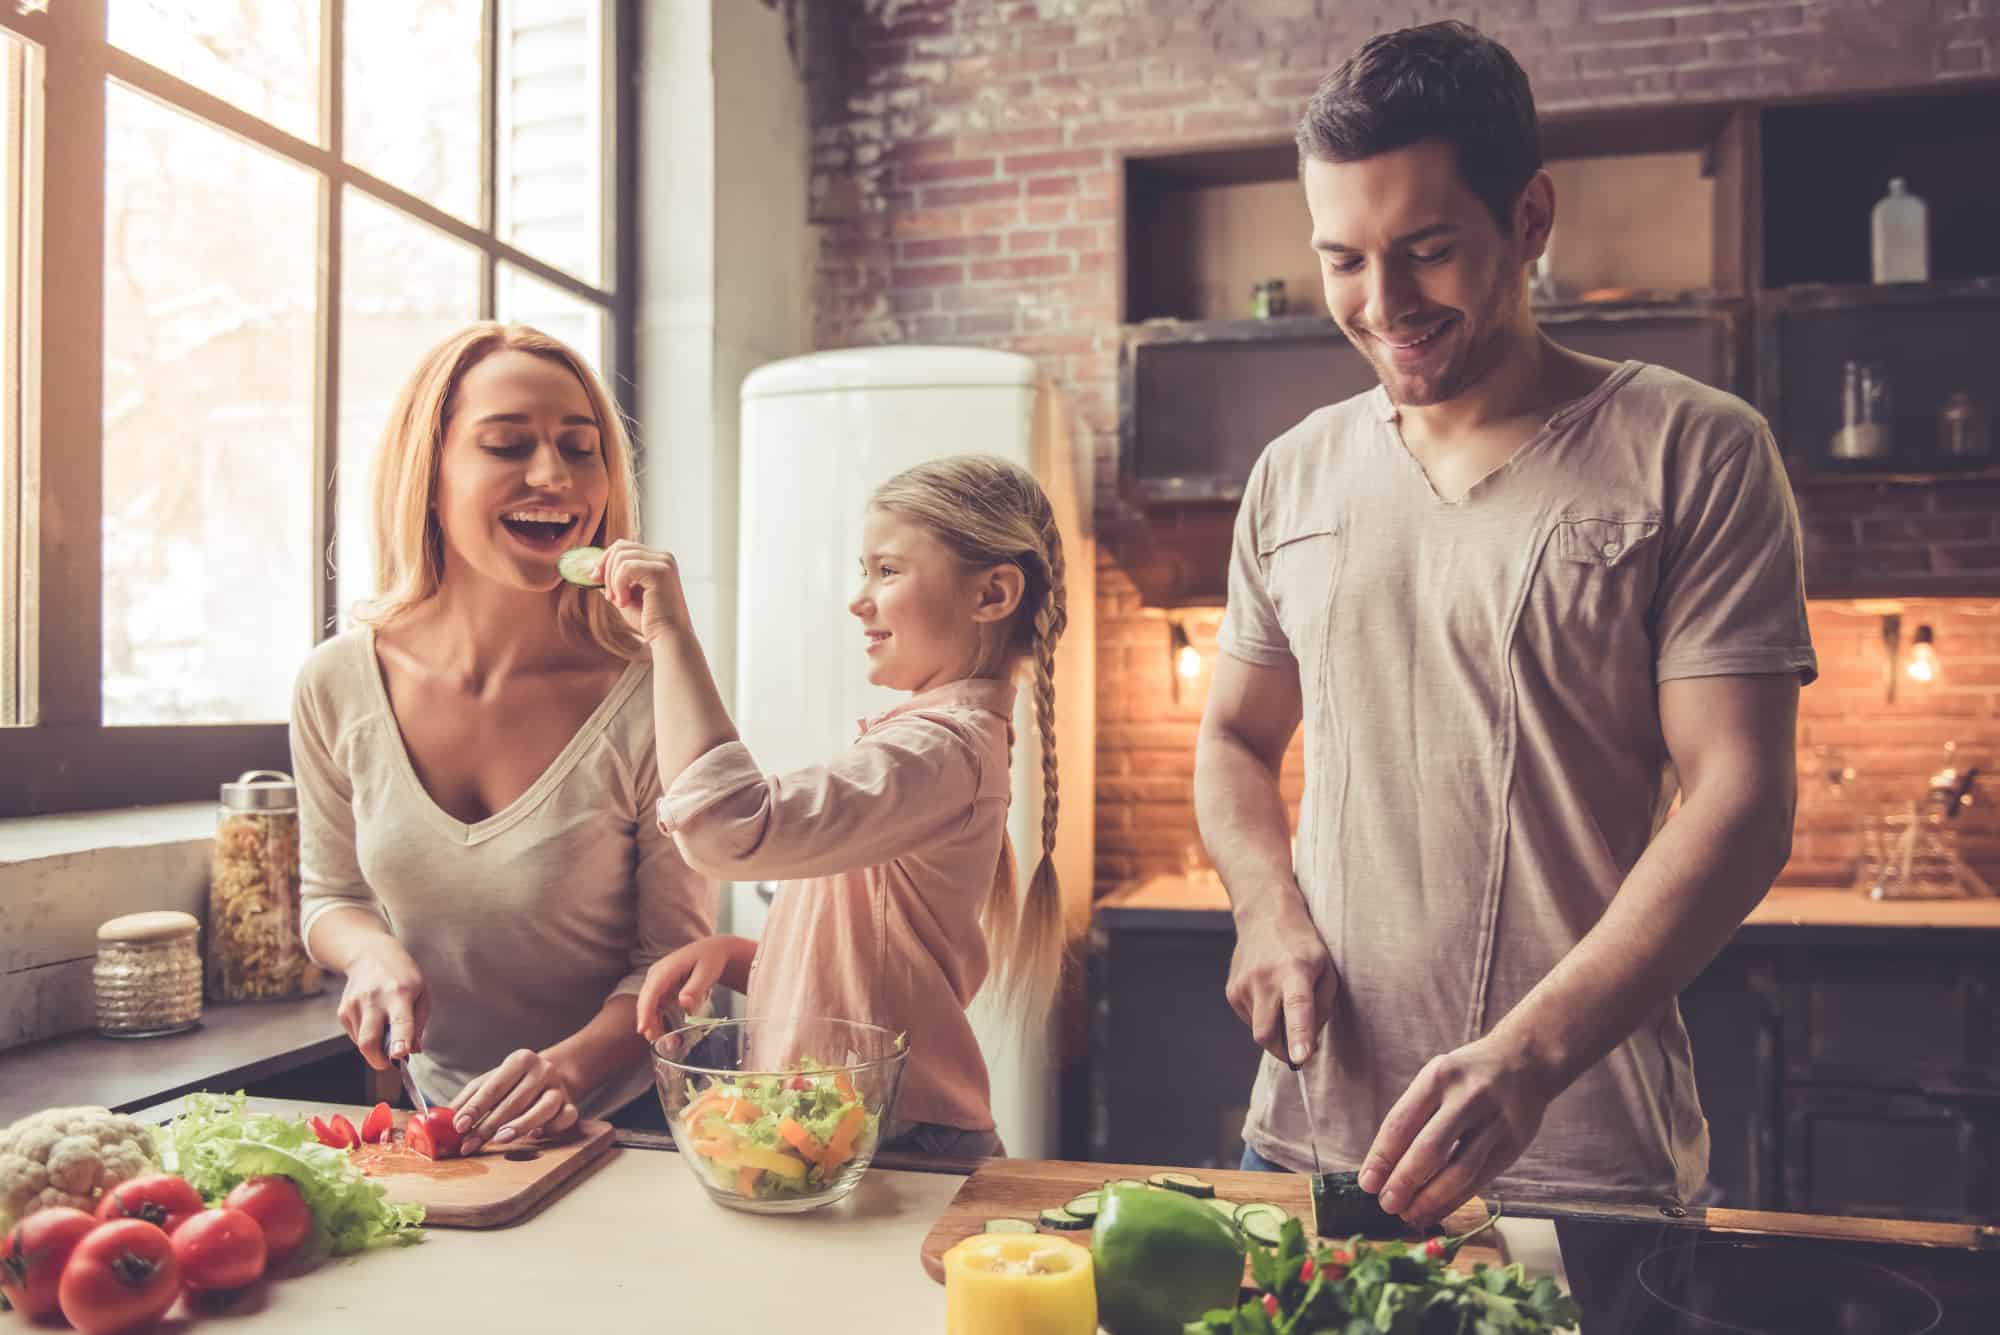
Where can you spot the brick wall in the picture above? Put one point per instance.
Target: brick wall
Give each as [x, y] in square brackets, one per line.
[967, 178]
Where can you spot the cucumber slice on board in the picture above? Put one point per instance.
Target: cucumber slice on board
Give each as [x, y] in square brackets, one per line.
[1009, 1226]
[1063, 1219]
[1222, 1206]
[1085, 1206]
[1125, 1182]
[1262, 1221]
[1187, 1183]
[578, 565]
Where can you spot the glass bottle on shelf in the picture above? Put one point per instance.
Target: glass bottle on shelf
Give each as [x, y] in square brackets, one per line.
[1900, 230]
[1864, 412]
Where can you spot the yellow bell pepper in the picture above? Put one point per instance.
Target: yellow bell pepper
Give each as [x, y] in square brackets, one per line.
[755, 1156]
[1019, 1284]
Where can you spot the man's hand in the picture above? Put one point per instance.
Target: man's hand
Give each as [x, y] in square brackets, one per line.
[1282, 981]
[1463, 1121]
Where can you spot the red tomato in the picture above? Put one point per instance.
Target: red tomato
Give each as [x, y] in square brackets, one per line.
[220, 1250]
[120, 1278]
[417, 1135]
[160, 1199]
[376, 1126]
[345, 1136]
[33, 1256]
[324, 1132]
[279, 1208]
[444, 1132]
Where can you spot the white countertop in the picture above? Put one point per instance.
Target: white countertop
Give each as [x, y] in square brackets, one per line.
[634, 1246]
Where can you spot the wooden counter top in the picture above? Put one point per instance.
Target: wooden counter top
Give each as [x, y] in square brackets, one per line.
[1199, 902]
[235, 1045]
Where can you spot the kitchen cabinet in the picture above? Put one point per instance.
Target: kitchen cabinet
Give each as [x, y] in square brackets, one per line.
[1847, 1053]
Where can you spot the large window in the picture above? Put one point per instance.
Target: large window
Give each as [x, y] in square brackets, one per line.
[227, 229]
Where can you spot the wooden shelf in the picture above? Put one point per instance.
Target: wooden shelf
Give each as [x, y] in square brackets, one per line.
[1807, 297]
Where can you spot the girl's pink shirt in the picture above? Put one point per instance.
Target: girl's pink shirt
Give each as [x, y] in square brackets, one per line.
[886, 856]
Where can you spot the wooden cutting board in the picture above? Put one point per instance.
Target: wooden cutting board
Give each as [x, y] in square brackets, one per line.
[499, 1185]
[1022, 1188]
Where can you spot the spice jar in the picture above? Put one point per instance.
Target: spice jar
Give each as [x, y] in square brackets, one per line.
[254, 950]
[1962, 432]
[148, 975]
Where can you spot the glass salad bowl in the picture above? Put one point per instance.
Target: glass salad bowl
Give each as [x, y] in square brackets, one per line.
[778, 1115]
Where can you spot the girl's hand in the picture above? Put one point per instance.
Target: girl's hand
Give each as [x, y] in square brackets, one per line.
[684, 979]
[385, 1005]
[644, 584]
[523, 1097]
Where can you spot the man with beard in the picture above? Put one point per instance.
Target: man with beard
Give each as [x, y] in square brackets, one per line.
[1521, 598]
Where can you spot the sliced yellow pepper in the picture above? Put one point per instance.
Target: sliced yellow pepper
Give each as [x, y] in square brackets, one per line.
[1019, 1284]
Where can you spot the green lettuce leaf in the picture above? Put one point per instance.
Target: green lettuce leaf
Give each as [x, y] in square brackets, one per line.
[216, 1143]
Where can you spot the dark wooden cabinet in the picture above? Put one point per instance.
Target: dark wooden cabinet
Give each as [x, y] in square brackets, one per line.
[1842, 1070]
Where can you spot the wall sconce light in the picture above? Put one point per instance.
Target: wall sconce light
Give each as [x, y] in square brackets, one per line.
[1923, 665]
[1186, 658]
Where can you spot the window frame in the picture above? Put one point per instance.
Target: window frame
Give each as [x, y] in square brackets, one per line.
[62, 757]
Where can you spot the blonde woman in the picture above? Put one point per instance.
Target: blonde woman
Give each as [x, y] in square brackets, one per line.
[475, 761]
[898, 883]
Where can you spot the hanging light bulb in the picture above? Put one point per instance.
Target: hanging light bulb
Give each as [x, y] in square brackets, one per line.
[1184, 657]
[1923, 664]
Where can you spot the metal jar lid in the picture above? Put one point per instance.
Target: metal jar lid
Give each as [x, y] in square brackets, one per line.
[261, 790]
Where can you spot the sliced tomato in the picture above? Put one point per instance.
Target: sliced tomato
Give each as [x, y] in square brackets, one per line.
[344, 1132]
[34, 1254]
[161, 1199]
[377, 1125]
[417, 1135]
[443, 1126]
[325, 1132]
[122, 1277]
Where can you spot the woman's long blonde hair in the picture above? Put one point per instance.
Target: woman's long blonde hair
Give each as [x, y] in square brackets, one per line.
[409, 544]
[989, 512]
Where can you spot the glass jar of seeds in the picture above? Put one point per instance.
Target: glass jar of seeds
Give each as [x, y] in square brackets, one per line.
[147, 975]
[254, 950]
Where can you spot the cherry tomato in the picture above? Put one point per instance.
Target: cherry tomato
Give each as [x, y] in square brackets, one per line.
[1270, 1304]
[161, 1199]
[375, 1127]
[444, 1132]
[33, 1255]
[1306, 1271]
[279, 1208]
[219, 1251]
[1435, 1249]
[122, 1277]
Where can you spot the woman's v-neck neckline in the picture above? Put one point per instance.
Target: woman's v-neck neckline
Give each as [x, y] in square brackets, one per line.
[515, 811]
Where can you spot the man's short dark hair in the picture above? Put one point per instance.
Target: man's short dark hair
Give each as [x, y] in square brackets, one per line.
[1440, 81]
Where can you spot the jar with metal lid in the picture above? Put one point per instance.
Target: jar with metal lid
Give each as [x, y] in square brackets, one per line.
[148, 975]
[254, 950]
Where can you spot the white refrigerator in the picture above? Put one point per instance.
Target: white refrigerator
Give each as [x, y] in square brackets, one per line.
[819, 433]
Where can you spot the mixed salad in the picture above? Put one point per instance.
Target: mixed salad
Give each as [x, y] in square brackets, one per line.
[763, 1136]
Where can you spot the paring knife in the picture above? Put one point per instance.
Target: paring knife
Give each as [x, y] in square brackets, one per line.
[410, 1087]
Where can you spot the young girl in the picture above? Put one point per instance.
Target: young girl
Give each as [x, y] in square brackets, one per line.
[898, 879]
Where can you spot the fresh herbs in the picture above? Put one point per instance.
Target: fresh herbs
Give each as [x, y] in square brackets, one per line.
[1387, 1288]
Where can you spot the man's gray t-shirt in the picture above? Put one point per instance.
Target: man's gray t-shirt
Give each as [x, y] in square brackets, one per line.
[1483, 754]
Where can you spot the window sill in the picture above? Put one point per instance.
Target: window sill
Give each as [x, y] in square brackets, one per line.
[32, 838]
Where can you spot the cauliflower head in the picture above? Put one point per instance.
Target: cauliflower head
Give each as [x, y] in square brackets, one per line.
[69, 1156]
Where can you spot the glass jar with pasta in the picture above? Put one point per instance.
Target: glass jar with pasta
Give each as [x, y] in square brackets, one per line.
[254, 950]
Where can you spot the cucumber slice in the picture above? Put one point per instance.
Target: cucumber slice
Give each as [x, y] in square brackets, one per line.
[1009, 1226]
[1085, 1206]
[1262, 1221]
[1063, 1219]
[1186, 1183]
[1125, 1182]
[1226, 1208]
[578, 565]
